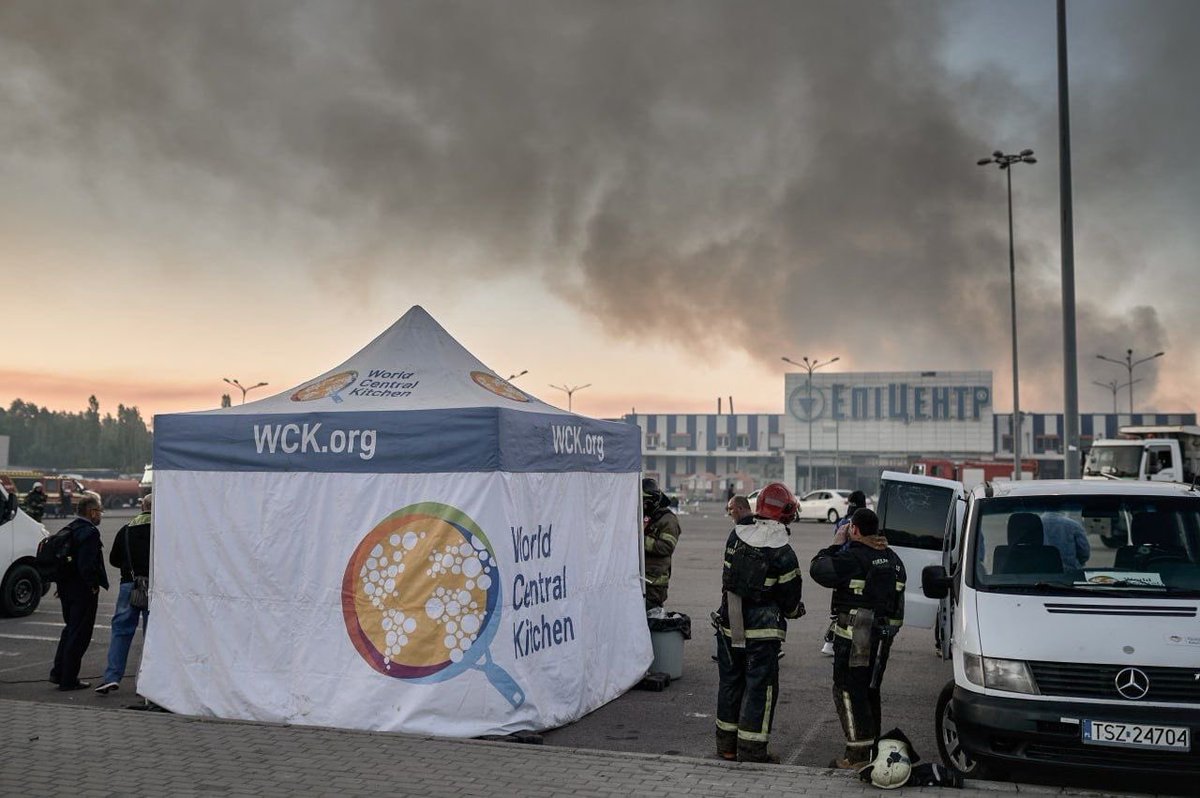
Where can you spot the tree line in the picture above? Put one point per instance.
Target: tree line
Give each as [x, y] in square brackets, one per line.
[57, 440]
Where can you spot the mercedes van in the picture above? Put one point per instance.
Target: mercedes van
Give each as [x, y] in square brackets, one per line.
[21, 586]
[1066, 650]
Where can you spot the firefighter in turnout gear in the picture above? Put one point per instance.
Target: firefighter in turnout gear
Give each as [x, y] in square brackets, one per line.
[867, 579]
[35, 502]
[760, 589]
[660, 534]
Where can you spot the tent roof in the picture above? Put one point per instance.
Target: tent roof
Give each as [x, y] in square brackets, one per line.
[412, 401]
[413, 365]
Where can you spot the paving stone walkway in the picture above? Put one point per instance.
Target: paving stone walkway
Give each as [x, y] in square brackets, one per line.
[51, 749]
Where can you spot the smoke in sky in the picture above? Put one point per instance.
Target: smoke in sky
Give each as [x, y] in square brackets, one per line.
[787, 178]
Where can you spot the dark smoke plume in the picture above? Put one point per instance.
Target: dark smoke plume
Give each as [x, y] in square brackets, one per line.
[782, 177]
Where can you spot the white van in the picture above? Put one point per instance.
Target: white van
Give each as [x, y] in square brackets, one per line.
[21, 587]
[1066, 650]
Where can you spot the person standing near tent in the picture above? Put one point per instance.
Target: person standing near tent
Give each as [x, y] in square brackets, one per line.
[660, 534]
[760, 589]
[131, 554]
[79, 583]
[867, 578]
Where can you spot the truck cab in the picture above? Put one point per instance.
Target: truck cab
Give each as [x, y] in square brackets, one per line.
[21, 586]
[1147, 453]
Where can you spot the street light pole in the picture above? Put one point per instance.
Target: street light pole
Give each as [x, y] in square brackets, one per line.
[243, 388]
[1129, 363]
[1113, 386]
[512, 377]
[809, 366]
[569, 391]
[1005, 162]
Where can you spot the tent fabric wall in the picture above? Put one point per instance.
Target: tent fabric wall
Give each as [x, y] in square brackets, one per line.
[470, 566]
[248, 607]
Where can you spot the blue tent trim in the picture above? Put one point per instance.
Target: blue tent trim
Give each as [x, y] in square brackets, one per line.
[400, 442]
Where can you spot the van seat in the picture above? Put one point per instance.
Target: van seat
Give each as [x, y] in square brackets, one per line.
[1153, 541]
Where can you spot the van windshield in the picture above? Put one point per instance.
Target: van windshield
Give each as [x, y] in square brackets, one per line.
[1088, 544]
[1122, 462]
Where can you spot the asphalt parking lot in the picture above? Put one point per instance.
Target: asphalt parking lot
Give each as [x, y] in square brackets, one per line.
[677, 721]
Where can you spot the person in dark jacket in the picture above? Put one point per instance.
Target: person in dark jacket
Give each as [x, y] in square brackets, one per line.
[660, 534]
[79, 586]
[130, 553]
[35, 502]
[867, 579]
[760, 589]
[854, 502]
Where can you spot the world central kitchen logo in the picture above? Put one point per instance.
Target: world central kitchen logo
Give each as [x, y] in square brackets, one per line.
[380, 383]
[421, 598]
[896, 401]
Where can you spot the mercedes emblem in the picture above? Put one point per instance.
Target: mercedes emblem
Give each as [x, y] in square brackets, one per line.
[1132, 683]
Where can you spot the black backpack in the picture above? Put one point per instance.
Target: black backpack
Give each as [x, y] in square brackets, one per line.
[56, 554]
[748, 570]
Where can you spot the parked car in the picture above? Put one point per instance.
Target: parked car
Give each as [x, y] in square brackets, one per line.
[824, 505]
[819, 505]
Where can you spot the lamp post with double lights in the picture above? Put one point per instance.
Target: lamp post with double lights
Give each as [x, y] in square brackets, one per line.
[1005, 162]
[1129, 363]
[1113, 386]
[245, 390]
[809, 366]
[569, 391]
[512, 377]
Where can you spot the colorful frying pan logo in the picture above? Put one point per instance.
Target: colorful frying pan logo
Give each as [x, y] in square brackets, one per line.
[421, 598]
[498, 386]
[329, 386]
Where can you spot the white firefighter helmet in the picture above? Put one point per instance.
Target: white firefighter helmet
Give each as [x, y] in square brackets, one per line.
[892, 766]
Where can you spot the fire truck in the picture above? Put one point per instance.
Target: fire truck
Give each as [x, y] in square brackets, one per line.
[972, 472]
[20, 483]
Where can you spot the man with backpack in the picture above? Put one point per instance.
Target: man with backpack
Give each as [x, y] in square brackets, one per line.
[80, 575]
[131, 554]
[760, 589]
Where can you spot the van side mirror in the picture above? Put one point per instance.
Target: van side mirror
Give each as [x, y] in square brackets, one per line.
[9, 510]
[935, 582]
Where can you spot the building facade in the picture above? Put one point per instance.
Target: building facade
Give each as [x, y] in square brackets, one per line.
[843, 429]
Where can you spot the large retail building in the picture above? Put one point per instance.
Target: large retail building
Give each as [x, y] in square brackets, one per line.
[848, 427]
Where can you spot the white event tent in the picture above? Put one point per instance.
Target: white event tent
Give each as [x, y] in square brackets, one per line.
[407, 542]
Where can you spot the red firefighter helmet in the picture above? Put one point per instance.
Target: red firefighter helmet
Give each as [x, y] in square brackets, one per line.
[777, 503]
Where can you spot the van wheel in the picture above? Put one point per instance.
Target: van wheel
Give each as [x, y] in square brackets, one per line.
[949, 745]
[21, 591]
[833, 516]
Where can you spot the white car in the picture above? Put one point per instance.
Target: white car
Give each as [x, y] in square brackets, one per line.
[818, 505]
[824, 505]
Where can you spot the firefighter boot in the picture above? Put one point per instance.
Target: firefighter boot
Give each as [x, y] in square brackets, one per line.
[727, 746]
